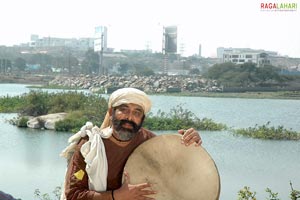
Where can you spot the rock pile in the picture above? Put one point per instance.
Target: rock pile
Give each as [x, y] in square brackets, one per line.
[150, 84]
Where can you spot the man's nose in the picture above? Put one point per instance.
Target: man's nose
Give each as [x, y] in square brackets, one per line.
[129, 116]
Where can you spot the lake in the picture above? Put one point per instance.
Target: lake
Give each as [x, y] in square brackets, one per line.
[30, 158]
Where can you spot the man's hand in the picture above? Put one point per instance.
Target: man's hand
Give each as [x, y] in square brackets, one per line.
[190, 136]
[133, 192]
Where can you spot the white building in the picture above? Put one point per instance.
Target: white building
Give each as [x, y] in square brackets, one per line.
[260, 59]
[221, 51]
[79, 44]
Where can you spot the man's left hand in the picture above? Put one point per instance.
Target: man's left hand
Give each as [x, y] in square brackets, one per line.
[190, 136]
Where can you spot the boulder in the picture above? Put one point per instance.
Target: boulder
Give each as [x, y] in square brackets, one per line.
[46, 121]
[34, 123]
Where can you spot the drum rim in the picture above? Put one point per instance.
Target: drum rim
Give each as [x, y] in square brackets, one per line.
[178, 135]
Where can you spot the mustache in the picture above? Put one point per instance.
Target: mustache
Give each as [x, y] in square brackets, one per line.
[124, 121]
[119, 123]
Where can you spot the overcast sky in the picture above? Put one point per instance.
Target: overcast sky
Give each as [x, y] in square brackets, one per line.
[133, 23]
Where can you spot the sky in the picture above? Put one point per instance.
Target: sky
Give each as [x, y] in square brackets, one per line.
[134, 23]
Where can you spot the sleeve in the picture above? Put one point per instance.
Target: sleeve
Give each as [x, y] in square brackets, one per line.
[76, 183]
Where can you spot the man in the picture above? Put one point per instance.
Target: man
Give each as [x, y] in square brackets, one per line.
[95, 170]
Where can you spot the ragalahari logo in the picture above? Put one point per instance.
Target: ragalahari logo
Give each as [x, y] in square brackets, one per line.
[284, 6]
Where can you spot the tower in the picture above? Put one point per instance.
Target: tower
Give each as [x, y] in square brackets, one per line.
[199, 51]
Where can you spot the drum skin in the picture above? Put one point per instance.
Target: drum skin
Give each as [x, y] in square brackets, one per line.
[175, 171]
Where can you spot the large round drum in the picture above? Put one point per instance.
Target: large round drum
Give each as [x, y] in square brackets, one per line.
[175, 171]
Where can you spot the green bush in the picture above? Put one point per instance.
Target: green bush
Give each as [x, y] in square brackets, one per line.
[81, 107]
[72, 123]
[11, 104]
[267, 132]
[22, 122]
[36, 103]
[246, 194]
[56, 193]
[66, 101]
[180, 118]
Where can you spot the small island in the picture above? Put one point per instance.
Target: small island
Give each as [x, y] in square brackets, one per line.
[69, 111]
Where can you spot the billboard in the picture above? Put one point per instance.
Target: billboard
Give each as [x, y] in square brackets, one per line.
[100, 41]
[97, 44]
[170, 37]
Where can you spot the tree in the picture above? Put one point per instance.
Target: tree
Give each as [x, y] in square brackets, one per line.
[245, 75]
[268, 72]
[194, 71]
[144, 71]
[123, 68]
[90, 64]
[42, 61]
[20, 64]
[218, 70]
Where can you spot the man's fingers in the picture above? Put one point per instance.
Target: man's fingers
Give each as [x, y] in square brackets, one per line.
[187, 133]
[145, 189]
[181, 131]
[147, 192]
[189, 140]
[143, 186]
[190, 136]
[198, 143]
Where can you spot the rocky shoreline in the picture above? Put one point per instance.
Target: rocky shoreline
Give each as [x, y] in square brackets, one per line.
[149, 84]
[25, 78]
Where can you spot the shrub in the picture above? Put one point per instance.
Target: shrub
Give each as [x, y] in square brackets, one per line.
[36, 103]
[267, 132]
[22, 122]
[72, 123]
[180, 118]
[11, 104]
[246, 194]
[56, 192]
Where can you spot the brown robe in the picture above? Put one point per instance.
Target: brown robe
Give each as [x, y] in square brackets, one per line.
[117, 153]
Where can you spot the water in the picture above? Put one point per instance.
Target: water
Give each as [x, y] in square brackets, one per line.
[29, 158]
[235, 112]
[18, 89]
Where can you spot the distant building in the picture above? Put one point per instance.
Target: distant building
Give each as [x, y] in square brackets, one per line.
[133, 51]
[221, 51]
[170, 39]
[78, 44]
[199, 53]
[100, 42]
[260, 59]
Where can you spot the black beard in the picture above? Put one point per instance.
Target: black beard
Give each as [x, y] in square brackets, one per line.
[122, 133]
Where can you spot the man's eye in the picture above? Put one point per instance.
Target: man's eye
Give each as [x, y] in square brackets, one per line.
[138, 114]
[125, 110]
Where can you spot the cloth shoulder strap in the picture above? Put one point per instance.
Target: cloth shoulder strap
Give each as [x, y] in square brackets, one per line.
[94, 155]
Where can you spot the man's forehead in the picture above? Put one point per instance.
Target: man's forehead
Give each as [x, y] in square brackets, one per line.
[132, 105]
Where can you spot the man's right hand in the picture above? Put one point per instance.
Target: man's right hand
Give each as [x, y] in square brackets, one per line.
[133, 192]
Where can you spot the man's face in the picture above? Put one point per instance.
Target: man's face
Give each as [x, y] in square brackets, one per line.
[127, 119]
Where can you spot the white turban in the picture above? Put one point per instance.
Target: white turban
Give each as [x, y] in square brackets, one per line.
[126, 96]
